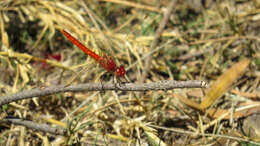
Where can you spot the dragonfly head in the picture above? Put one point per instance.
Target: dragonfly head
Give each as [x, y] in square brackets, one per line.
[120, 71]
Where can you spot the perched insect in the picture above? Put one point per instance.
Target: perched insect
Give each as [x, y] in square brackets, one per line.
[106, 62]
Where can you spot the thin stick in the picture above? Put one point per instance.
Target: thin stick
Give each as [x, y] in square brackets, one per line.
[155, 42]
[36, 126]
[161, 85]
[207, 135]
[135, 5]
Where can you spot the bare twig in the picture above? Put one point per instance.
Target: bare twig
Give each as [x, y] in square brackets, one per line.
[135, 5]
[207, 135]
[159, 31]
[36, 126]
[224, 39]
[161, 85]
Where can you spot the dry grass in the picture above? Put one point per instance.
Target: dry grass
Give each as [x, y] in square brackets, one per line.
[199, 42]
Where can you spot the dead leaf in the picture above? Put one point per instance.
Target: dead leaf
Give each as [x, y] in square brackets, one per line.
[243, 110]
[224, 82]
[4, 37]
[254, 95]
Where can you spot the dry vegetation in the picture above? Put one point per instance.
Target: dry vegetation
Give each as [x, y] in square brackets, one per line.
[213, 41]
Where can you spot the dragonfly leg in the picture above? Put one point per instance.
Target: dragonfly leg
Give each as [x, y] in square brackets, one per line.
[103, 78]
[102, 86]
[120, 83]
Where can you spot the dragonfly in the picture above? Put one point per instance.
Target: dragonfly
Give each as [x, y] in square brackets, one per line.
[104, 61]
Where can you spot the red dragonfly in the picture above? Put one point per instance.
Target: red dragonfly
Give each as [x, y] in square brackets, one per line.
[106, 62]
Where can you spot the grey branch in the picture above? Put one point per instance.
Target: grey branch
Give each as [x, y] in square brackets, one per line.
[36, 126]
[161, 85]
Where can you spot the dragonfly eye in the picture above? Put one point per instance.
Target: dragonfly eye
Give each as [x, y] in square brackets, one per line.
[120, 71]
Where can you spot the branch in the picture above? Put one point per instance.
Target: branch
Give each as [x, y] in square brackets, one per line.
[158, 34]
[161, 85]
[36, 126]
